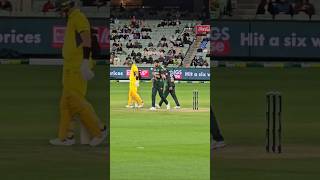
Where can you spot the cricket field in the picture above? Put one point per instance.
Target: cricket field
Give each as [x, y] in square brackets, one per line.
[164, 144]
[29, 119]
[238, 96]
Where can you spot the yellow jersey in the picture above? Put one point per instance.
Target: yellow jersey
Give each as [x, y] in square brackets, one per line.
[72, 50]
[132, 77]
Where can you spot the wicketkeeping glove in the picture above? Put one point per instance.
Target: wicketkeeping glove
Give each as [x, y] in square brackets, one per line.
[86, 72]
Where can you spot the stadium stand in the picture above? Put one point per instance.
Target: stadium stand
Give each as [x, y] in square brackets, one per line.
[40, 8]
[173, 42]
[269, 9]
[221, 8]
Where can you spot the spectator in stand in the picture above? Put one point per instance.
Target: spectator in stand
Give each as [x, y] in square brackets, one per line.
[199, 53]
[145, 52]
[147, 36]
[161, 53]
[179, 42]
[180, 56]
[166, 61]
[172, 51]
[114, 34]
[119, 47]
[144, 59]
[129, 44]
[163, 38]
[146, 29]
[137, 44]
[281, 6]
[304, 6]
[162, 23]
[139, 54]
[138, 60]
[121, 7]
[201, 61]
[48, 7]
[116, 60]
[173, 40]
[150, 44]
[5, 5]
[112, 58]
[177, 61]
[127, 60]
[150, 60]
[162, 44]
[262, 7]
[134, 22]
[187, 40]
[133, 54]
[194, 62]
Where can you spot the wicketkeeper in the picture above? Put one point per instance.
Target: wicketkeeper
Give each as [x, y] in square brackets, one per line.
[77, 72]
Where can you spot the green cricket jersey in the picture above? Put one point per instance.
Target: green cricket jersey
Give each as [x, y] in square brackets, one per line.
[157, 79]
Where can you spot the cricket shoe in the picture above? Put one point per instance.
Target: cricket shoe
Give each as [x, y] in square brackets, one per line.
[98, 140]
[141, 105]
[129, 106]
[157, 106]
[65, 142]
[218, 144]
[153, 109]
[177, 107]
[168, 106]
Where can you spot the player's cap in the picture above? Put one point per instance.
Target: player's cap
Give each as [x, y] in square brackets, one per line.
[156, 61]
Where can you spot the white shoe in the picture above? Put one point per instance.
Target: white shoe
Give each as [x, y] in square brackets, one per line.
[177, 107]
[218, 144]
[141, 105]
[129, 106]
[168, 106]
[98, 140]
[152, 108]
[65, 142]
[157, 106]
[136, 105]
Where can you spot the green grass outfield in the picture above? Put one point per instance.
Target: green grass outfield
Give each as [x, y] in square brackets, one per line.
[161, 145]
[239, 100]
[29, 100]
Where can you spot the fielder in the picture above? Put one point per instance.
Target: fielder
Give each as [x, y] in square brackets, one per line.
[133, 96]
[169, 87]
[218, 140]
[157, 85]
[77, 65]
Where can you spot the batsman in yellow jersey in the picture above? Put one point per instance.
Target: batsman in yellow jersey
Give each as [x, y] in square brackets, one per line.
[77, 71]
[134, 77]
